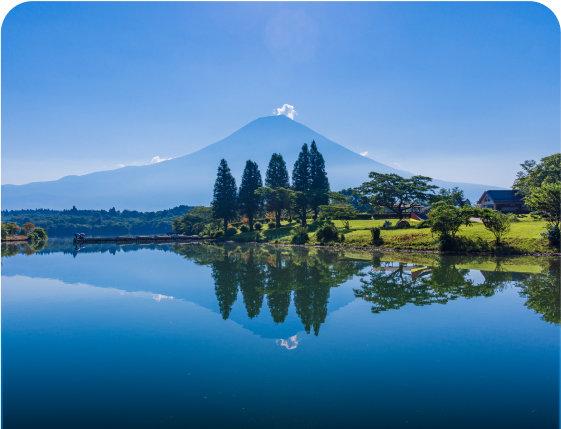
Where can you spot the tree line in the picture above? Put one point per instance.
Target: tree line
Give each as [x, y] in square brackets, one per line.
[64, 223]
[308, 191]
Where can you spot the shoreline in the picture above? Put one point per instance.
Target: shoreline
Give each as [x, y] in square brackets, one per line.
[383, 249]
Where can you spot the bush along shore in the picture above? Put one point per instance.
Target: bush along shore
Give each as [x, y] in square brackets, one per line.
[525, 236]
[26, 232]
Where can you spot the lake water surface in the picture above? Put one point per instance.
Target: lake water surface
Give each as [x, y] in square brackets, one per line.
[201, 335]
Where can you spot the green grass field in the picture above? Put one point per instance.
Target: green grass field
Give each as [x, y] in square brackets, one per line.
[524, 236]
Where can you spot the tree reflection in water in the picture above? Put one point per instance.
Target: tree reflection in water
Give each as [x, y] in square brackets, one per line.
[542, 292]
[305, 277]
[282, 273]
[390, 286]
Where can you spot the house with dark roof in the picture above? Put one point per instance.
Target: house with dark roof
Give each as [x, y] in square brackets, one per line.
[504, 201]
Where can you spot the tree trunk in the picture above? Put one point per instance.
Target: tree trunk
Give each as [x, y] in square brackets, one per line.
[250, 222]
[304, 215]
[316, 210]
[225, 225]
[278, 218]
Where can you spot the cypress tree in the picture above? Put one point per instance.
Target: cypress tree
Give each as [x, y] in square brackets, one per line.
[301, 180]
[225, 200]
[277, 178]
[319, 182]
[250, 203]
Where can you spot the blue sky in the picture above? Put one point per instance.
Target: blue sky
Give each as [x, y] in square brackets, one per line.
[456, 91]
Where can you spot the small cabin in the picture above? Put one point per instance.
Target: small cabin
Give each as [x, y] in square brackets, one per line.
[511, 201]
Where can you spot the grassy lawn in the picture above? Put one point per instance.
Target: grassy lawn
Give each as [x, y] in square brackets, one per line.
[524, 236]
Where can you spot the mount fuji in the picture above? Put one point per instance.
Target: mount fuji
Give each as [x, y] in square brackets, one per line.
[189, 179]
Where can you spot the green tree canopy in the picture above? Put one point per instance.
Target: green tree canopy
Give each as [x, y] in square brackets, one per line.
[224, 202]
[196, 221]
[302, 181]
[319, 183]
[496, 222]
[454, 197]
[250, 202]
[275, 180]
[446, 219]
[534, 174]
[546, 202]
[394, 192]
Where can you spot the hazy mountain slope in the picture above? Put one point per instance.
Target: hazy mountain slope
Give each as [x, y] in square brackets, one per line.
[189, 179]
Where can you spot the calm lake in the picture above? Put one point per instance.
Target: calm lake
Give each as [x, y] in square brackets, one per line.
[202, 335]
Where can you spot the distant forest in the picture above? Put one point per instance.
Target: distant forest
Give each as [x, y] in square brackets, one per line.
[64, 223]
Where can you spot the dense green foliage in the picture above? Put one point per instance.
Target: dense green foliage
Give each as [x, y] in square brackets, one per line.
[225, 198]
[496, 222]
[276, 192]
[198, 221]
[300, 235]
[546, 202]
[446, 220]
[453, 197]
[301, 182]
[533, 174]
[393, 192]
[326, 233]
[319, 183]
[337, 211]
[355, 199]
[250, 203]
[62, 223]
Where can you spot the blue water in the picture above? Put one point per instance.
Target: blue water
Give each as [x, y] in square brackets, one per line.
[161, 336]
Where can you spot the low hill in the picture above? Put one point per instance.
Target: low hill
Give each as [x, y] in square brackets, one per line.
[189, 179]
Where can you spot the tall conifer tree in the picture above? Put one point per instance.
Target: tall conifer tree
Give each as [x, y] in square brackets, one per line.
[319, 182]
[277, 182]
[301, 180]
[225, 200]
[249, 202]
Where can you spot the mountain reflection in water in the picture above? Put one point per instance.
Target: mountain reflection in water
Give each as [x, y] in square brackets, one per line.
[279, 276]
[279, 273]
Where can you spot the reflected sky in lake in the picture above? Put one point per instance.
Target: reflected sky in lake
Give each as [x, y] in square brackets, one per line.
[259, 336]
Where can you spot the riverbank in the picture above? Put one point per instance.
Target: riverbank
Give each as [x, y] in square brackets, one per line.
[523, 239]
[12, 238]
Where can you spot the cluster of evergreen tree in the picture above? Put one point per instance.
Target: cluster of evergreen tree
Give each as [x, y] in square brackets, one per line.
[309, 189]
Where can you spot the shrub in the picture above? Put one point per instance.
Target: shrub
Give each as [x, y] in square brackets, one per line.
[258, 226]
[277, 241]
[376, 233]
[38, 234]
[271, 225]
[551, 234]
[423, 224]
[446, 219]
[300, 235]
[231, 231]
[216, 234]
[331, 243]
[244, 228]
[496, 222]
[342, 238]
[327, 233]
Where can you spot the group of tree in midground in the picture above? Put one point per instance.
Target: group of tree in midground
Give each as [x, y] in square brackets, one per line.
[309, 189]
